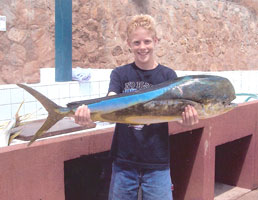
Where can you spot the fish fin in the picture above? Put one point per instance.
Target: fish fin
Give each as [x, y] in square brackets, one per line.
[46, 102]
[50, 121]
[54, 113]
[17, 117]
[14, 135]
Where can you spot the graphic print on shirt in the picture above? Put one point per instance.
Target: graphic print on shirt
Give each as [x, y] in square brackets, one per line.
[133, 86]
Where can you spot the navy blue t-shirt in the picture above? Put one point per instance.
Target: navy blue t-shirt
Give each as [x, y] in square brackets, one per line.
[145, 146]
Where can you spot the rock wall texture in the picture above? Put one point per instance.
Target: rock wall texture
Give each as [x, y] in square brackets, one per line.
[207, 35]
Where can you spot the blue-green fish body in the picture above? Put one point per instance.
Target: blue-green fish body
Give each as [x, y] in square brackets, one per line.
[210, 95]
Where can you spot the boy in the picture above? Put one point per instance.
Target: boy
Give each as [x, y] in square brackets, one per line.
[140, 153]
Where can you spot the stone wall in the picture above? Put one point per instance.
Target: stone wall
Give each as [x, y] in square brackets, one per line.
[28, 43]
[207, 35]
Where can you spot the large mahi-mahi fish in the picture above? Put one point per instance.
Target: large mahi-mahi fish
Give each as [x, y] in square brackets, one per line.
[210, 95]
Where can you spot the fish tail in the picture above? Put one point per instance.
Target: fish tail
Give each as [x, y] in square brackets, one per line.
[55, 112]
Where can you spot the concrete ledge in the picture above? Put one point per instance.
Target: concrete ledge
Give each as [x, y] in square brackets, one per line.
[37, 171]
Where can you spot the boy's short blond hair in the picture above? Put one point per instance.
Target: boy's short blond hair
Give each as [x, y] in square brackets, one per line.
[145, 21]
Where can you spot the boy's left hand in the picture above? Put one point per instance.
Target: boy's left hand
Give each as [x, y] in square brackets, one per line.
[189, 116]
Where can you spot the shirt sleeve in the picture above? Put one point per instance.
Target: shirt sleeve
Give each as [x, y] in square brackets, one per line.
[171, 74]
[115, 84]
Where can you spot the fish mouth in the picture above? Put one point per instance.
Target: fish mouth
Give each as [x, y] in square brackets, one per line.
[213, 110]
[231, 106]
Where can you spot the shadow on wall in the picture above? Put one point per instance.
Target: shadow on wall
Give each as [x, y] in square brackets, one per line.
[230, 158]
[88, 177]
[184, 147]
[142, 6]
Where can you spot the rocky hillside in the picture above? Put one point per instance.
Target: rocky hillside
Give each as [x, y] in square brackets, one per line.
[209, 35]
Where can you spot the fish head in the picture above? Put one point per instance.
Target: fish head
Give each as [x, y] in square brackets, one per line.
[214, 93]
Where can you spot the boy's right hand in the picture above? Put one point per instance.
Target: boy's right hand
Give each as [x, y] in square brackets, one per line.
[82, 117]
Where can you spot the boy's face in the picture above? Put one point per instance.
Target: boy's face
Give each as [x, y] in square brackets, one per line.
[142, 44]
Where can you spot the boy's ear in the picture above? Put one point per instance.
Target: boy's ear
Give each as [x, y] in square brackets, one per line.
[156, 40]
[129, 42]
